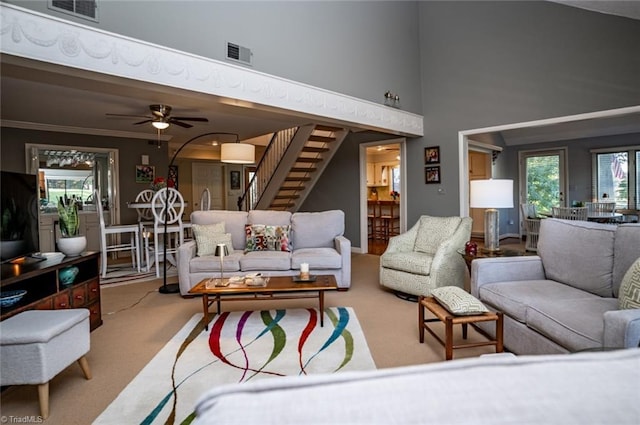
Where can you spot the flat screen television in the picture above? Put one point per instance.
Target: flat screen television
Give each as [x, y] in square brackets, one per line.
[19, 219]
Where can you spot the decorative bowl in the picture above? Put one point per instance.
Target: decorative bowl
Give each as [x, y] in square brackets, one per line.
[67, 275]
[10, 298]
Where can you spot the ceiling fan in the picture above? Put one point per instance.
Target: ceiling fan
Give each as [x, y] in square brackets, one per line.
[161, 118]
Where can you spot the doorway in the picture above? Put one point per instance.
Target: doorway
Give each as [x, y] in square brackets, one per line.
[543, 179]
[479, 169]
[382, 180]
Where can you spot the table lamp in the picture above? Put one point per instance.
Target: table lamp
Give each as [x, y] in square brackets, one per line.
[491, 194]
[221, 251]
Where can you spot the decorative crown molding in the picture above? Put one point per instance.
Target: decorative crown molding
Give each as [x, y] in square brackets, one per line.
[32, 35]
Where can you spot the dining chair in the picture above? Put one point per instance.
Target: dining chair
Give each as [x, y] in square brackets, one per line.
[144, 213]
[110, 232]
[167, 206]
[570, 213]
[600, 207]
[205, 200]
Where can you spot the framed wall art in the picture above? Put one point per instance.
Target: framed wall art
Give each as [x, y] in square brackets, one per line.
[234, 180]
[432, 155]
[432, 174]
[173, 175]
[145, 173]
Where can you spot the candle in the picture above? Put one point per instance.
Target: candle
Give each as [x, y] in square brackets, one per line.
[304, 270]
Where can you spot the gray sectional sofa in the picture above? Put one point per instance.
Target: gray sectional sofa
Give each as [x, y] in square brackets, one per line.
[565, 299]
[316, 238]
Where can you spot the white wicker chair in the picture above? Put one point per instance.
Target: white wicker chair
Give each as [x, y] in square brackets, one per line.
[570, 213]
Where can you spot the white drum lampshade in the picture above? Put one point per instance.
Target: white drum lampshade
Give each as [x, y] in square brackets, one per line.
[491, 194]
[237, 153]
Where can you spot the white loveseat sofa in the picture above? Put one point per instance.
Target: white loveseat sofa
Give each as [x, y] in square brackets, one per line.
[316, 238]
[565, 299]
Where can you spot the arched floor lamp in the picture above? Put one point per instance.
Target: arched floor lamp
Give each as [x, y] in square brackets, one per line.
[234, 153]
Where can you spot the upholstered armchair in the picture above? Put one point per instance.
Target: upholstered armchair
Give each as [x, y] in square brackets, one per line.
[426, 257]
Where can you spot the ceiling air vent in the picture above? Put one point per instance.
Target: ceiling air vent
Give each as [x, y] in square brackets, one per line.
[239, 53]
[81, 8]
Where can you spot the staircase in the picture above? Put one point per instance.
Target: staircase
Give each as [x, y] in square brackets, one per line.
[293, 162]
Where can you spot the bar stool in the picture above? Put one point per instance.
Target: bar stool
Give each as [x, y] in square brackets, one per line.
[388, 219]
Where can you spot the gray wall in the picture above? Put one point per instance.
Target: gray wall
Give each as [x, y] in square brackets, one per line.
[463, 65]
[361, 49]
[491, 63]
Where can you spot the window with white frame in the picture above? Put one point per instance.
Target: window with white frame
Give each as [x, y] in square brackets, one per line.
[616, 176]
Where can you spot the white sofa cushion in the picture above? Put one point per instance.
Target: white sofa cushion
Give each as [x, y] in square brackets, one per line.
[574, 324]
[578, 253]
[316, 229]
[211, 263]
[317, 258]
[274, 218]
[266, 260]
[514, 297]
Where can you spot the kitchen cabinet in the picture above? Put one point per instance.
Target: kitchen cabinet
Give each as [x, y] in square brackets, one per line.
[378, 174]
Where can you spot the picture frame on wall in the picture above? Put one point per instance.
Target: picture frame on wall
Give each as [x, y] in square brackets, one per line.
[432, 174]
[432, 155]
[173, 175]
[145, 173]
[234, 180]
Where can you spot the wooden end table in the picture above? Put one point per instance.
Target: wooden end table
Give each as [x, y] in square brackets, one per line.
[444, 316]
[278, 287]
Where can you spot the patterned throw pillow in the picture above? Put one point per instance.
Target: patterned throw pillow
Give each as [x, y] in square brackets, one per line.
[263, 237]
[458, 301]
[629, 294]
[208, 236]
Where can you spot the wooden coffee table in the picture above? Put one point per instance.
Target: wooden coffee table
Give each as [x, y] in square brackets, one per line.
[278, 287]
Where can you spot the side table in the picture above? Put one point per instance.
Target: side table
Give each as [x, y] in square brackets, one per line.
[490, 254]
[444, 316]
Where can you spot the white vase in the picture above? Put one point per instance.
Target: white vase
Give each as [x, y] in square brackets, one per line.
[72, 247]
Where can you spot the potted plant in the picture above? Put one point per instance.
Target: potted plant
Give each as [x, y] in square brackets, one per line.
[71, 243]
[12, 230]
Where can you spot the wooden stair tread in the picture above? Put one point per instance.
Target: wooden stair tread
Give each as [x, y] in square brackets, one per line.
[313, 149]
[324, 139]
[297, 179]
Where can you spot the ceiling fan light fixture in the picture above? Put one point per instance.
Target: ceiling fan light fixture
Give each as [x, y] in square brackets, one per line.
[237, 153]
[160, 125]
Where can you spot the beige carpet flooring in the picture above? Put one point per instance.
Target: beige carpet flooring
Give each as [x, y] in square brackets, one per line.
[138, 321]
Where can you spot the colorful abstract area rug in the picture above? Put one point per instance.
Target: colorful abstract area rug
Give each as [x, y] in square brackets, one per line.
[238, 347]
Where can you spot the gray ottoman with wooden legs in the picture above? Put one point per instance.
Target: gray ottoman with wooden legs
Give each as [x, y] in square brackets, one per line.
[36, 345]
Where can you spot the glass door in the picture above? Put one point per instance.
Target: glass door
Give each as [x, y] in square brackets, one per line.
[543, 179]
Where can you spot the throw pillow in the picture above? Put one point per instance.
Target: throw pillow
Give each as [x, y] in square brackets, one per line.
[458, 301]
[629, 294]
[208, 236]
[263, 237]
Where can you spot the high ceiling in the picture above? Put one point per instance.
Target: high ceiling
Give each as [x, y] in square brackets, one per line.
[48, 97]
